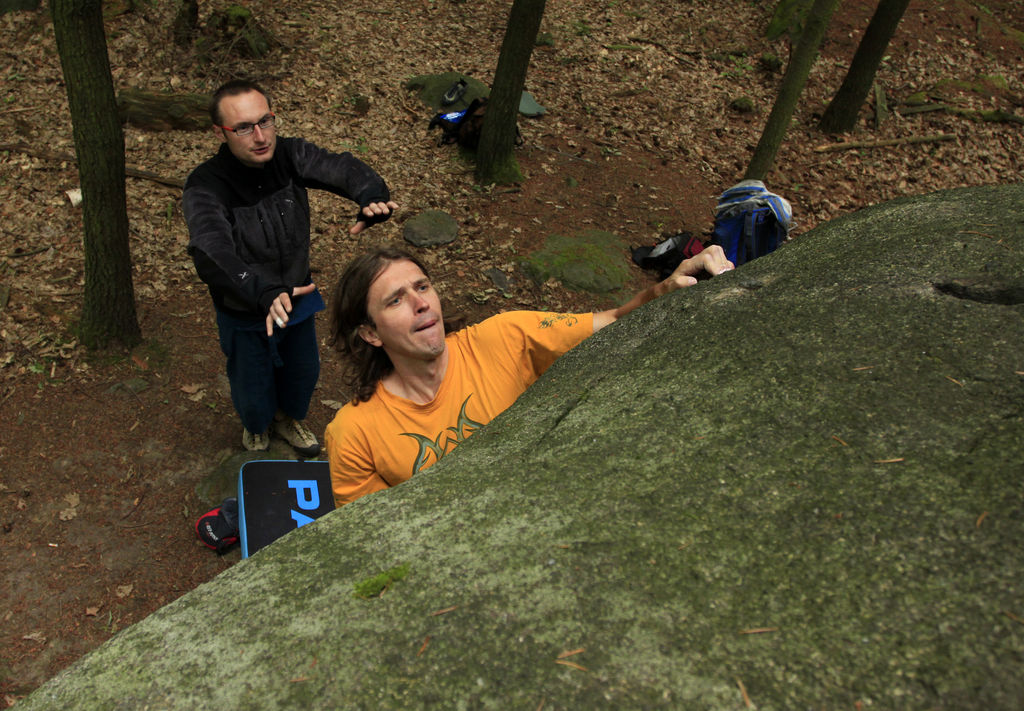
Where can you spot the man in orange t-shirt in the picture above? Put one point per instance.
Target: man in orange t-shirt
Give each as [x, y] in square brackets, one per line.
[419, 390]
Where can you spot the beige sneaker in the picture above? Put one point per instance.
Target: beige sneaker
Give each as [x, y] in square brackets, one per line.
[255, 442]
[297, 435]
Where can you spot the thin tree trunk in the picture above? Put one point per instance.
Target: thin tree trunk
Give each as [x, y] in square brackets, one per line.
[186, 22]
[495, 162]
[792, 85]
[841, 114]
[108, 309]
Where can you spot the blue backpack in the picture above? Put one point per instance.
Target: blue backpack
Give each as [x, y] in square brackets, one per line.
[462, 127]
[750, 222]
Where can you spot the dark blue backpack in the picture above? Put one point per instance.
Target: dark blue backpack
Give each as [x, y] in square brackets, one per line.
[462, 127]
[750, 222]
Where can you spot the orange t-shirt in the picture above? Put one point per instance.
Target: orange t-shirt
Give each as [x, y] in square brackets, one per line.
[382, 442]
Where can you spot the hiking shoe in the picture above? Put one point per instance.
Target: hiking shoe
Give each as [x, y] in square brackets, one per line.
[255, 442]
[297, 435]
[454, 93]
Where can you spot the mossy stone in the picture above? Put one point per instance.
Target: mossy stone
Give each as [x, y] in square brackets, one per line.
[797, 483]
[591, 261]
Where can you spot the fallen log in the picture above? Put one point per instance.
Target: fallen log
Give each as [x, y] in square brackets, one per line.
[163, 112]
[130, 171]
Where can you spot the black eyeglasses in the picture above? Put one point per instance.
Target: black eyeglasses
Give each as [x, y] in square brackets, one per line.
[266, 123]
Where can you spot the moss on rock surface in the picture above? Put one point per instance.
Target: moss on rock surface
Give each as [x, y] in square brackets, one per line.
[432, 87]
[799, 481]
[589, 261]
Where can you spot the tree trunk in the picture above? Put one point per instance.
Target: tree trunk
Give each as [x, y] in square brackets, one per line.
[186, 23]
[108, 310]
[495, 162]
[789, 91]
[841, 114]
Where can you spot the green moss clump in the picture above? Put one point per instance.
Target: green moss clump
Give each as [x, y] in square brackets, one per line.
[590, 261]
[430, 88]
[986, 85]
[996, 81]
[919, 98]
[238, 15]
[375, 586]
[742, 104]
[771, 62]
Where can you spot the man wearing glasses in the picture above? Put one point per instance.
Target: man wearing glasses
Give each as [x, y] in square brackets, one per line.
[247, 211]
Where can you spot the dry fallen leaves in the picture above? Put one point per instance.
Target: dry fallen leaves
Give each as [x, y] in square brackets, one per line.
[195, 391]
[572, 77]
[72, 510]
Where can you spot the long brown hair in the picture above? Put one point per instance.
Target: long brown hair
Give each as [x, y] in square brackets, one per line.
[365, 364]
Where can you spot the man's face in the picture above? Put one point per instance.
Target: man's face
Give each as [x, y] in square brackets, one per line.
[247, 109]
[406, 313]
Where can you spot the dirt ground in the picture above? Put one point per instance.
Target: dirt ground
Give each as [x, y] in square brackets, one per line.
[101, 453]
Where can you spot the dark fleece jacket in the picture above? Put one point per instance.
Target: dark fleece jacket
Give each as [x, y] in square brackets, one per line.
[249, 227]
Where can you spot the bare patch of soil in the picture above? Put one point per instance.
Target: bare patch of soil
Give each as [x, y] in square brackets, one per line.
[101, 454]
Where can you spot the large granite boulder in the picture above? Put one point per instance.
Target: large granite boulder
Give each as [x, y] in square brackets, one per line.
[794, 486]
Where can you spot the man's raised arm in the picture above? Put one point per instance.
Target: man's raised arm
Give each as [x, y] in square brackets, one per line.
[712, 260]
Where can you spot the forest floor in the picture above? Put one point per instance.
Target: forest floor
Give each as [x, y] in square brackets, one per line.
[101, 453]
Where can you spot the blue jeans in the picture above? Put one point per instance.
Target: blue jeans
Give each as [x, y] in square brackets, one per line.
[275, 373]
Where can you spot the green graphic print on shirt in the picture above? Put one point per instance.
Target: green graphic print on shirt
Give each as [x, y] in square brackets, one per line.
[570, 320]
[432, 450]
